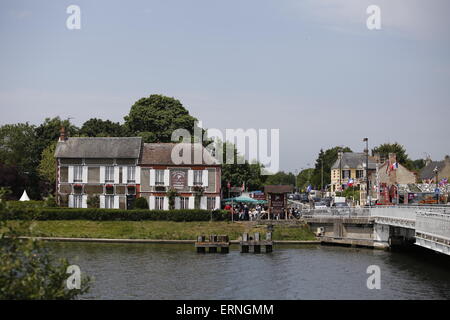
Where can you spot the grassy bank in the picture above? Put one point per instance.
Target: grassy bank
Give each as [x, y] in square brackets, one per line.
[164, 230]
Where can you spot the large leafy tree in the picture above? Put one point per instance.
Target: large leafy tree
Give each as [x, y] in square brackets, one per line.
[102, 128]
[47, 166]
[48, 132]
[156, 117]
[384, 149]
[304, 178]
[281, 177]
[19, 156]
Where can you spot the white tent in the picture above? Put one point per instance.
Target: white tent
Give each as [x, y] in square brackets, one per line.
[24, 196]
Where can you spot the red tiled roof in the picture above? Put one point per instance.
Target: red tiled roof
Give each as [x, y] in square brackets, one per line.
[161, 154]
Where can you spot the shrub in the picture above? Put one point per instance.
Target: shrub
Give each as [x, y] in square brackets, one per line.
[112, 214]
[141, 203]
[93, 202]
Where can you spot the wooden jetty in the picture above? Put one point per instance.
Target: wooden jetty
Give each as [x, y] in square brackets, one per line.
[214, 242]
[256, 243]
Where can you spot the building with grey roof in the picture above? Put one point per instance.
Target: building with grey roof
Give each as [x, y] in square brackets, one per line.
[113, 172]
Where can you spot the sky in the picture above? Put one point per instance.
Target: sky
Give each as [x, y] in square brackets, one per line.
[310, 68]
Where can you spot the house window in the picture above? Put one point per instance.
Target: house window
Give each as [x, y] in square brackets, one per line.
[78, 201]
[211, 203]
[159, 203]
[109, 174]
[109, 202]
[78, 174]
[159, 179]
[184, 203]
[346, 174]
[198, 177]
[131, 174]
[359, 174]
[131, 190]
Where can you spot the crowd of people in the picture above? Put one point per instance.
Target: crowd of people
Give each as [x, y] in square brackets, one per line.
[244, 212]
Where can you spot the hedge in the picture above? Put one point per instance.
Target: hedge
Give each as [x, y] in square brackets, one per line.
[112, 214]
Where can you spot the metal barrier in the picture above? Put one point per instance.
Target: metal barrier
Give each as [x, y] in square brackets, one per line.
[433, 223]
[336, 212]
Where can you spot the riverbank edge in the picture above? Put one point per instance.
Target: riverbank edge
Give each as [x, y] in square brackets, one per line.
[156, 241]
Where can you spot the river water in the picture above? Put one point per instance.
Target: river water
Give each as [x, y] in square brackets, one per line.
[155, 271]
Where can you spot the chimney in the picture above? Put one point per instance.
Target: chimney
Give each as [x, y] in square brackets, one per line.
[447, 159]
[62, 134]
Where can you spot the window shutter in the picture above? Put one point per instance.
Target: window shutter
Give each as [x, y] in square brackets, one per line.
[84, 203]
[166, 203]
[191, 203]
[151, 202]
[85, 174]
[177, 203]
[116, 175]
[116, 202]
[102, 174]
[203, 203]
[138, 175]
[102, 201]
[217, 203]
[205, 178]
[190, 178]
[124, 175]
[70, 174]
[167, 178]
[152, 177]
[71, 200]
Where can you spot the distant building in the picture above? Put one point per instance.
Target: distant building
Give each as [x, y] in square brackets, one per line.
[428, 175]
[350, 167]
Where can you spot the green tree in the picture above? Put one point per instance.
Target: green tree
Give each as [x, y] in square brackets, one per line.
[384, 149]
[29, 272]
[156, 117]
[102, 128]
[281, 177]
[47, 166]
[19, 150]
[49, 131]
[304, 178]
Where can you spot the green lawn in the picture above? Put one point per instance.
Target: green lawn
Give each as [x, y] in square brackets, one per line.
[164, 230]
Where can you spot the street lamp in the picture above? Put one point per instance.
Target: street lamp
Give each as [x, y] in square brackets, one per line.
[437, 184]
[366, 140]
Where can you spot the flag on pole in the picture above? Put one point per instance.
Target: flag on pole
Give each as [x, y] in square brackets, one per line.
[350, 182]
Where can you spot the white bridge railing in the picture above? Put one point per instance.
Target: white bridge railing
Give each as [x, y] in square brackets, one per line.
[434, 224]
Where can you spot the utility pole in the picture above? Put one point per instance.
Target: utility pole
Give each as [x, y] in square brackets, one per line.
[367, 170]
[321, 176]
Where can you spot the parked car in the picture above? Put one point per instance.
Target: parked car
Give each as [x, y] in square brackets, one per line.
[321, 205]
[341, 208]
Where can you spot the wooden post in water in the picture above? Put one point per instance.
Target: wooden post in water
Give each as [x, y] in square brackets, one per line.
[244, 247]
[269, 238]
[257, 246]
[201, 249]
